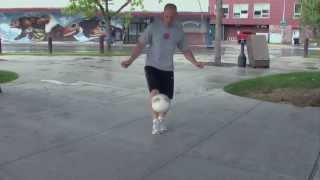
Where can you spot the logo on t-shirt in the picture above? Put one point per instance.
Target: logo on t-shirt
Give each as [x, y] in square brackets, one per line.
[166, 35]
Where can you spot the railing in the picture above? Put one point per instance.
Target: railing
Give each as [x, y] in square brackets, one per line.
[51, 46]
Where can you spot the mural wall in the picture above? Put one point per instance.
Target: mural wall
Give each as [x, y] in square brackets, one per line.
[35, 26]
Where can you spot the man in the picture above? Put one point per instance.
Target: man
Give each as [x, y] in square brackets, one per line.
[162, 36]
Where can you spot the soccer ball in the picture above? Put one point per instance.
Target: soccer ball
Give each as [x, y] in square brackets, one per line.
[160, 103]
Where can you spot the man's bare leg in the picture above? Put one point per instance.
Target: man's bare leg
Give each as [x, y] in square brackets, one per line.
[153, 92]
[155, 115]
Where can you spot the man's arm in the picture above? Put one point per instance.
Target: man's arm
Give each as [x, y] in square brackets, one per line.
[184, 47]
[189, 56]
[144, 39]
[136, 51]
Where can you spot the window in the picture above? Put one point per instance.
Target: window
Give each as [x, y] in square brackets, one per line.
[240, 11]
[261, 10]
[133, 29]
[225, 8]
[297, 10]
[191, 26]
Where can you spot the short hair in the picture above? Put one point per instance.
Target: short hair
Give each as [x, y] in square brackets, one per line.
[170, 6]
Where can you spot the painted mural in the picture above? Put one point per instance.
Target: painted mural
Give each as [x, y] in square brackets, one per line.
[30, 27]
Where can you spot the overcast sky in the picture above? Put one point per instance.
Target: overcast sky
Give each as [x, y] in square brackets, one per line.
[150, 5]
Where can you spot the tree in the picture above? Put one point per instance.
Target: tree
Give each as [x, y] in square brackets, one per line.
[91, 8]
[310, 15]
[310, 20]
[218, 32]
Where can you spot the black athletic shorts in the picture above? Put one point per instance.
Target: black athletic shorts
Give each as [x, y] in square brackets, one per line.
[161, 80]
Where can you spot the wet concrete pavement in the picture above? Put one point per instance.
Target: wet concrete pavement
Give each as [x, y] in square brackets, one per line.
[87, 118]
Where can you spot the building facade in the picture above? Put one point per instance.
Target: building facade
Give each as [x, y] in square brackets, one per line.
[37, 20]
[37, 24]
[195, 25]
[193, 15]
[277, 19]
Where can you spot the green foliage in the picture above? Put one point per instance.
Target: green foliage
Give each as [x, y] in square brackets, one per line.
[88, 8]
[91, 8]
[311, 13]
[126, 18]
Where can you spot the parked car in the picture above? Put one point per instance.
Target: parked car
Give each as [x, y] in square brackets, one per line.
[243, 35]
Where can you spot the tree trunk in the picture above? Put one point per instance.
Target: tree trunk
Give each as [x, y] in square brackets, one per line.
[108, 26]
[218, 32]
[306, 48]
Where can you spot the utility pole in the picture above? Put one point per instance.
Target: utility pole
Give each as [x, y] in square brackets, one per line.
[283, 22]
[218, 32]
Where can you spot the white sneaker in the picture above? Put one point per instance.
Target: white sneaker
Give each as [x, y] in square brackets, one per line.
[156, 127]
[162, 125]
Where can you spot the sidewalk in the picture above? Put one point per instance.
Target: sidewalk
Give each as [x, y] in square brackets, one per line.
[96, 125]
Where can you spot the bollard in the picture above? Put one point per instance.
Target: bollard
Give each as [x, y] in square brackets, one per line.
[50, 45]
[0, 50]
[0, 53]
[101, 44]
[306, 47]
[242, 60]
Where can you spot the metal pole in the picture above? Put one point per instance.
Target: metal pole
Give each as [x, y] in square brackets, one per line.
[242, 59]
[0, 46]
[0, 53]
[283, 20]
[218, 33]
[50, 45]
[284, 10]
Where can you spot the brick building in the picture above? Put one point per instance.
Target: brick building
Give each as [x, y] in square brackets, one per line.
[277, 19]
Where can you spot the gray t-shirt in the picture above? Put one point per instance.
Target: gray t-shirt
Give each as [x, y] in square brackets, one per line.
[163, 42]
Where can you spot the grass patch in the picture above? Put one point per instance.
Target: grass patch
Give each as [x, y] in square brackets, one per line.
[298, 80]
[83, 53]
[6, 76]
[297, 88]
